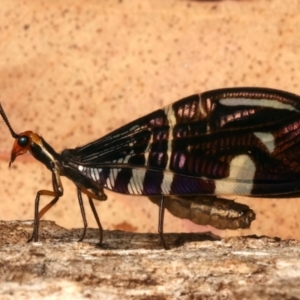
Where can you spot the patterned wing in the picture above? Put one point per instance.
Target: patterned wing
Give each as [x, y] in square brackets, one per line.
[231, 141]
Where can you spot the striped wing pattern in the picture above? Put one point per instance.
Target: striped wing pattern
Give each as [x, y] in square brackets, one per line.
[243, 141]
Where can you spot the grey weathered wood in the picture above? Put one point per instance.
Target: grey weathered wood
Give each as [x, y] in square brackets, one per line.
[133, 265]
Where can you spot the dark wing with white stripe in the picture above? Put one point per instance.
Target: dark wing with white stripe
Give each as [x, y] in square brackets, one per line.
[230, 141]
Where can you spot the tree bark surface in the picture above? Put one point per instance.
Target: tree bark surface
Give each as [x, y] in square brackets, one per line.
[134, 266]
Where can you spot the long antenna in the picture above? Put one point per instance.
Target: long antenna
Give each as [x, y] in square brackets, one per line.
[14, 135]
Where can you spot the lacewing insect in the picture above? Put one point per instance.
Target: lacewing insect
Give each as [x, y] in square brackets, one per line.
[234, 141]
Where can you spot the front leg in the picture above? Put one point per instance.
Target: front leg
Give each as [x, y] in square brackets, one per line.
[56, 193]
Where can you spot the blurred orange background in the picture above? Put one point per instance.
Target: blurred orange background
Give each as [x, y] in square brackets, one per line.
[74, 70]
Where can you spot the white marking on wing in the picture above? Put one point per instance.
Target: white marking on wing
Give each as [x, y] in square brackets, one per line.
[169, 111]
[112, 177]
[125, 159]
[166, 183]
[93, 175]
[169, 153]
[202, 106]
[241, 168]
[135, 185]
[267, 139]
[148, 149]
[97, 172]
[108, 184]
[257, 102]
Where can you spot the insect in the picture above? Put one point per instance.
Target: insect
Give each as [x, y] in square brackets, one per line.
[234, 141]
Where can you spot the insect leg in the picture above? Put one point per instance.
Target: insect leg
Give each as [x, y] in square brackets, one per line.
[91, 196]
[82, 214]
[161, 215]
[97, 219]
[38, 215]
[57, 193]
